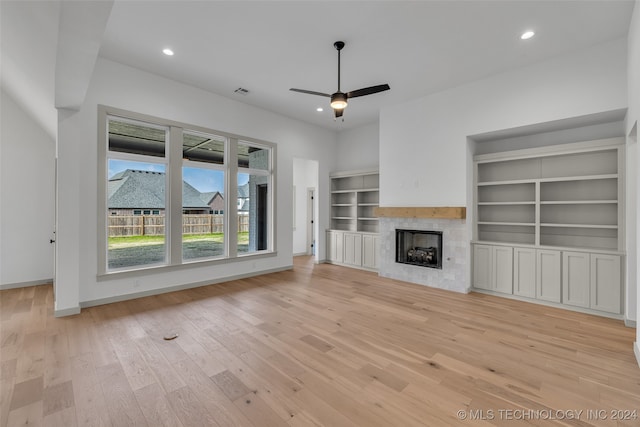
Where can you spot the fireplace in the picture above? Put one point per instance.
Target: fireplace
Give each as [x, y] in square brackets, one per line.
[419, 247]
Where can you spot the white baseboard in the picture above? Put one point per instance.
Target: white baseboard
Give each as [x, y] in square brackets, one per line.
[630, 323]
[25, 284]
[67, 312]
[636, 350]
[125, 297]
[301, 254]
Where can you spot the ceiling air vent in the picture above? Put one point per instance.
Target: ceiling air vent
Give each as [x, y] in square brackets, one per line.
[241, 91]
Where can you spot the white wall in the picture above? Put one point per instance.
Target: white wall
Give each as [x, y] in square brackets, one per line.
[425, 153]
[305, 176]
[633, 117]
[27, 156]
[423, 150]
[29, 34]
[127, 88]
[358, 148]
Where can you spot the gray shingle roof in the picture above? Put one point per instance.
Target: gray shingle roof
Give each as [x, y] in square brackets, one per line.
[136, 189]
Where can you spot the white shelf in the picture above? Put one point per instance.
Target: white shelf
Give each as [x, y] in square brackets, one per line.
[610, 227]
[565, 195]
[520, 224]
[578, 202]
[354, 195]
[505, 203]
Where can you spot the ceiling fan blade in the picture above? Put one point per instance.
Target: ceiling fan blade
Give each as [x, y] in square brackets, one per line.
[368, 91]
[310, 92]
[338, 113]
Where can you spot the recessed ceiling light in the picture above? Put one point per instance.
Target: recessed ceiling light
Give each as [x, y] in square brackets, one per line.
[167, 51]
[319, 109]
[527, 35]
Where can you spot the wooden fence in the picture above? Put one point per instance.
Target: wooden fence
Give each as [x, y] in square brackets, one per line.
[153, 225]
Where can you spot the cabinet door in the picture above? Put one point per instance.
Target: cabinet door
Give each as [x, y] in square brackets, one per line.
[353, 249]
[482, 263]
[334, 246]
[575, 279]
[524, 272]
[605, 283]
[503, 269]
[548, 279]
[370, 251]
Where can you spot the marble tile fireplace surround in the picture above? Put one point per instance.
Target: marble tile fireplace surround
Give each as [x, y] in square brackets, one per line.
[455, 246]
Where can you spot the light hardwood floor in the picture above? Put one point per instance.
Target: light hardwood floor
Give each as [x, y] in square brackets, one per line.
[317, 346]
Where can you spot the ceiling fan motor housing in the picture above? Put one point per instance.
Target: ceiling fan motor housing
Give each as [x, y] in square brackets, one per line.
[338, 101]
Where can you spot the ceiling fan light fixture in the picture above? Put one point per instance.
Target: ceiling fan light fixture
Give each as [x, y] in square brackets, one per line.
[338, 101]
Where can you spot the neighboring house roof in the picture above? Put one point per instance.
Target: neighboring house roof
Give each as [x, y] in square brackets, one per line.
[144, 189]
[243, 191]
[208, 196]
[245, 206]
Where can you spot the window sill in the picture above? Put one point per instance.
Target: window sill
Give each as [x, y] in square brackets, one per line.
[158, 269]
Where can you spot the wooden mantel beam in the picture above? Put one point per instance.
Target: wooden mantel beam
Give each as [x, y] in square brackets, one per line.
[445, 212]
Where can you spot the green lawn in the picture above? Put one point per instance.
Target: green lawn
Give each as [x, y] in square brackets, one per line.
[128, 241]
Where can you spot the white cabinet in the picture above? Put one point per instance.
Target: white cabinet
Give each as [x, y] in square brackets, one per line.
[335, 242]
[493, 268]
[575, 279]
[353, 249]
[605, 283]
[592, 281]
[524, 272]
[370, 251]
[548, 278]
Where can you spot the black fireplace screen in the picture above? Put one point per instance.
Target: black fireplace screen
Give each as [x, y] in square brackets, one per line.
[419, 247]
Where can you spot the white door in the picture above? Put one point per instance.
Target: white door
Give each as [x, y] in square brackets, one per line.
[575, 279]
[524, 272]
[482, 262]
[503, 269]
[548, 278]
[605, 283]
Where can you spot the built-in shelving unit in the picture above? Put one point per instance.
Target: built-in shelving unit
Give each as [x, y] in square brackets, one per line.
[549, 224]
[354, 195]
[352, 239]
[567, 197]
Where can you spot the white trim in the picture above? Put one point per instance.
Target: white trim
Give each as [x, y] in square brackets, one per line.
[134, 295]
[630, 323]
[549, 304]
[552, 150]
[27, 284]
[67, 312]
[636, 350]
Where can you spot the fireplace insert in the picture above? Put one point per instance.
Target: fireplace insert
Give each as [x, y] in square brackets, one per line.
[419, 247]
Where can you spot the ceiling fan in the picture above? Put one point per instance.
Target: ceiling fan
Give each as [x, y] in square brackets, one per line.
[339, 99]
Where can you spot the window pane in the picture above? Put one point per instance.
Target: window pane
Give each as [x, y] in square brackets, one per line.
[126, 137]
[203, 148]
[253, 157]
[253, 213]
[135, 238]
[202, 232]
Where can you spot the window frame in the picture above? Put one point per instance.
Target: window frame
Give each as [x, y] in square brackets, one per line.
[173, 202]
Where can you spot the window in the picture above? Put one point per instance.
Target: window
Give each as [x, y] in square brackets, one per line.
[167, 198]
[254, 197]
[202, 180]
[136, 180]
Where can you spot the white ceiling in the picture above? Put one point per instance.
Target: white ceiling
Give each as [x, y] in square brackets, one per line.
[417, 47]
